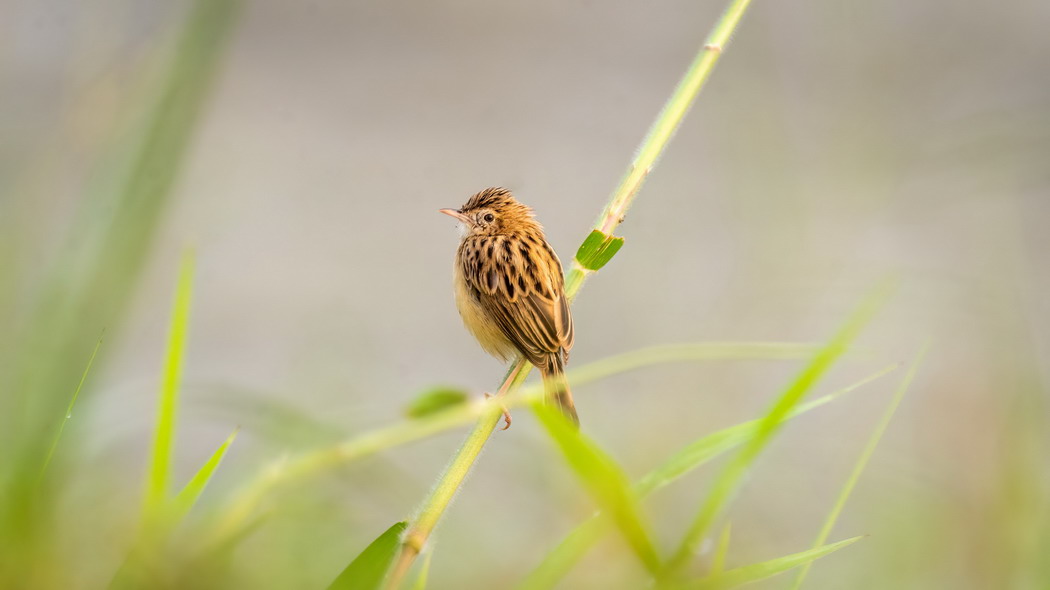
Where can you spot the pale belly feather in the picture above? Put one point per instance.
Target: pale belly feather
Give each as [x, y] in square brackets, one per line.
[486, 331]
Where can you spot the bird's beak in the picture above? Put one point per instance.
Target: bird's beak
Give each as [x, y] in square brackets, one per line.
[455, 213]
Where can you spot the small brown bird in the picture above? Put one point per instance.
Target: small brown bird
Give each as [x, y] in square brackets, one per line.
[510, 290]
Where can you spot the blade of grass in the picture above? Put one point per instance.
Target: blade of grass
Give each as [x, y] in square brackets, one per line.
[159, 472]
[731, 476]
[766, 569]
[189, 495]
[714, 444]
[604, 479]
[575, 545]
[69, 409]
[862, 462]
[247, 499]
[718, 560]
[367, 570]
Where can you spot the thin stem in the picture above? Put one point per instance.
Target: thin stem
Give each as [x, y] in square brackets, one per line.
[659, 135]
[442, 494]
[670, 117]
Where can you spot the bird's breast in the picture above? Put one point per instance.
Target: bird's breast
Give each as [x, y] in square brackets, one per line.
[478, 321]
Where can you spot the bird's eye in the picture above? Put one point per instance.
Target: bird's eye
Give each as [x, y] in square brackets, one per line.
[489, 218]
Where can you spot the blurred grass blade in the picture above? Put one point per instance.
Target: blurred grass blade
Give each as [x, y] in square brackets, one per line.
[560, 560]
[69, 409]
[862, 461]
[704, 449]
[766, 569]
[605, 481]
[189, 495]
[424, 573]
[367, 570]
[718, 560]
[159, 472]
[667, 353]
[434, 400]
[732, 475]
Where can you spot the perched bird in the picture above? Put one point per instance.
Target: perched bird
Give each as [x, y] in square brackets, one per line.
[510, 290]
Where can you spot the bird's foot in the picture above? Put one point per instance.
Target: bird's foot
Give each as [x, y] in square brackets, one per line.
[506, 413]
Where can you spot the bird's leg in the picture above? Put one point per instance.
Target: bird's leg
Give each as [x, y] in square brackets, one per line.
[506, 413]
[518, 366]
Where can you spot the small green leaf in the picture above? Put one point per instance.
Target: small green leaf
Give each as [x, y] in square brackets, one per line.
[590, 245]
[760, 571]
[189, 494]
[605, 481]
[159, 471]
[367, 570]
[435, 400]
[598, 249]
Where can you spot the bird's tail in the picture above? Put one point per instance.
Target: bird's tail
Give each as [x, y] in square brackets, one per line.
[557, 388]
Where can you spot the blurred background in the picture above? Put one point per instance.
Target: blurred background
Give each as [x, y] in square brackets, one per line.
[303, 148]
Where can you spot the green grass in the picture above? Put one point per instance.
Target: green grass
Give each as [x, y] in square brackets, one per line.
[862, 462]
[560, 560]
[159, 471]
[731, 476]
[605, 480]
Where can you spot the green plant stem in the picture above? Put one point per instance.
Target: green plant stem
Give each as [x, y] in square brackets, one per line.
[669, 119]
[456, 472]
[654, 144]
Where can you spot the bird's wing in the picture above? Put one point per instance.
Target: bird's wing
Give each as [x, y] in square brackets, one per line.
[520, 285]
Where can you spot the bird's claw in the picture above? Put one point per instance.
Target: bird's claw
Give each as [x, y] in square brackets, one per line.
[506, 413]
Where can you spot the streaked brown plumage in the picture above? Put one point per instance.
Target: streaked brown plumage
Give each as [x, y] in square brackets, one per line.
[510, 290]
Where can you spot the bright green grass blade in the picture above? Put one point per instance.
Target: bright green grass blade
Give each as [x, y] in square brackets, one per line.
[718, 560]
[575, 545]
[367, 570]
[862, 462]
[731, 476]
[159, 472]
[69, 409]
[605, 481]
[424, 573]
[766, 569]
[189, 495]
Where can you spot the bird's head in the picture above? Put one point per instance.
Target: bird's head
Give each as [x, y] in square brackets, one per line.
[493, 211]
